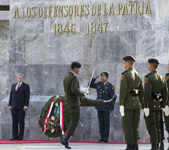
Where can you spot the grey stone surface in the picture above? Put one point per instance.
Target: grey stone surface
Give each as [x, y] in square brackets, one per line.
[78, 146]
[88, 132]
[4, 15]
[4, 2]
[28, 45]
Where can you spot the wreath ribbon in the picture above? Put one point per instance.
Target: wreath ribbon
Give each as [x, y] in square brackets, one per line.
[48, 114]
[62, 117]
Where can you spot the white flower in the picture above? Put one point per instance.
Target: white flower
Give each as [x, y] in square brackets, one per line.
[53, 118]
[57, 96]
[56, 104]
[52, 130]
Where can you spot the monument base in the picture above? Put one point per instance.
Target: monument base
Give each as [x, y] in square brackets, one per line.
[88, 116]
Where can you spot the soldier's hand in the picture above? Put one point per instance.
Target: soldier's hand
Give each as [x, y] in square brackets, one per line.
[166, 110]
[86, 93]
[96, 77]
[83, 89]
[146, 111]
[122, 111]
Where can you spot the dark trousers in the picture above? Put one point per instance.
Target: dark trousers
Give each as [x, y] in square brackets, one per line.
[75, 113]
[166, 118]
[130, 123]
[18, 117]
[153, 126]
[104, 124]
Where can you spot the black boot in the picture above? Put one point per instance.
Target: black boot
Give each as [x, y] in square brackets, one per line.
[135, 147]
[154, 147]
[65, 141]
[110, 102]
[129, 147]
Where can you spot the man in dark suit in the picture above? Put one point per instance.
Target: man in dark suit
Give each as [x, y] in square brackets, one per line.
[18, 104]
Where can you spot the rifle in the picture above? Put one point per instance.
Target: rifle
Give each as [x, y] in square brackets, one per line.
[162, 131]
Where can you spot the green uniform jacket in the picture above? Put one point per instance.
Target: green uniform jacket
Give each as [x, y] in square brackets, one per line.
[167, 80]
[131, 79]
[71, 84]
[155, 83]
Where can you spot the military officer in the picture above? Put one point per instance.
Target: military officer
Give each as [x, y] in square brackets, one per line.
[155, 99]
[167, 117]
[105, 90]
[131, 100]
[76, 98]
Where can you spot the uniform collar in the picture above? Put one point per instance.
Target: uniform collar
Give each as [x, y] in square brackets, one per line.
[154, 71]
[73, 73]
[105, 83]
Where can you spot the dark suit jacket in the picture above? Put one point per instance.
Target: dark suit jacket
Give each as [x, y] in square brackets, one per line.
[20, 98]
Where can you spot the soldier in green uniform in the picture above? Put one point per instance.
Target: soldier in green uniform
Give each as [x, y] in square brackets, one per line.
[167, 117]
[105, 90]
[131, 99]
[76, 98]
[155, 99]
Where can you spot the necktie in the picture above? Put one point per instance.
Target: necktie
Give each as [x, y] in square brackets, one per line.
[18, 88]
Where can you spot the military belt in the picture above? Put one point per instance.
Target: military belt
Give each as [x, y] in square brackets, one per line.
[134, 92]
[157, 96]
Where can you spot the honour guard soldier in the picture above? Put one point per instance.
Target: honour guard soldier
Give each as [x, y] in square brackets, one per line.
[167, 117]
[105, 90]
[76, 98]
[155, 100]
[131, 94]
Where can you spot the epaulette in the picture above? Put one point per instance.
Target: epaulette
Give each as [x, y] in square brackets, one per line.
[112, 86]
[124, 71]
[147, 74]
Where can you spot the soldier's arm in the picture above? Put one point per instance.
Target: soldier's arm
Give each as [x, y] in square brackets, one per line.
[141, 93]
[168, 91]
[148, 92]
[164, 94]
[112, 92]
[93, 85]
[75, 88]
[123, 89]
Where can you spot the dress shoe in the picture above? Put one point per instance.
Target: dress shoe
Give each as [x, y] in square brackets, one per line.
[14, 139]
[20, 139]
[130, 147]
[135, 147]
[65, 143]
[105, 140]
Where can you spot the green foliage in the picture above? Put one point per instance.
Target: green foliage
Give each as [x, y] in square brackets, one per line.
[53, 125]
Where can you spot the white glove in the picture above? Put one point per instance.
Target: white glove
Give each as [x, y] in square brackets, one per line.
[146, 111]
[83, 89]
[166, 110]
[122, 111]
